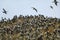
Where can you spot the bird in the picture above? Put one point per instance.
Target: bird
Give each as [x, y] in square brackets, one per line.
[51, 7]
[4, 11]
[34, 9]
[40, 38]
[55, 2]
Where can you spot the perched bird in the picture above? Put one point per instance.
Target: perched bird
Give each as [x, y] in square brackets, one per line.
[4, 11]
[34, 9]
[55, 2]
[58, 31]
[51, 7]
[40, 38]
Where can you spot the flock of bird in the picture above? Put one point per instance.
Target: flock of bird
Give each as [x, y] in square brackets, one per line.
[55, 2]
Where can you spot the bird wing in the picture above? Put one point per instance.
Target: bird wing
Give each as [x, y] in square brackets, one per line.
[4, 11]
[34, 9]
[51, 7]
[56, 4]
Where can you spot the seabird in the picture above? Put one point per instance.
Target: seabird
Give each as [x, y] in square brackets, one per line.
[4, 11]
[34, 9]
[40, 38]
[55, 2]
[51, 7]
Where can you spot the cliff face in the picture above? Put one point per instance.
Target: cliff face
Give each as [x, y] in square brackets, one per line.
[30, 28]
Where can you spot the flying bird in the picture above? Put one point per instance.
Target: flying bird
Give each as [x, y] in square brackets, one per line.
[55, 2]
[34, 9]
[4, 11]
[51, 7]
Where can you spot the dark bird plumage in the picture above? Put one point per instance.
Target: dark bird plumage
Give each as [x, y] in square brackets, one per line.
[55, 2]
[51, 7]
[40, 38]
[34, 9]
[4, 11]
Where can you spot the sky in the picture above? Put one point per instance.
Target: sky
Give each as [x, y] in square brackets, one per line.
[24, 7]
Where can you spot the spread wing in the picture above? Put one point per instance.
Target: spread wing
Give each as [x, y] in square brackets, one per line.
[55, 2]
[34, 9]
[51, 7]
[4, 11]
